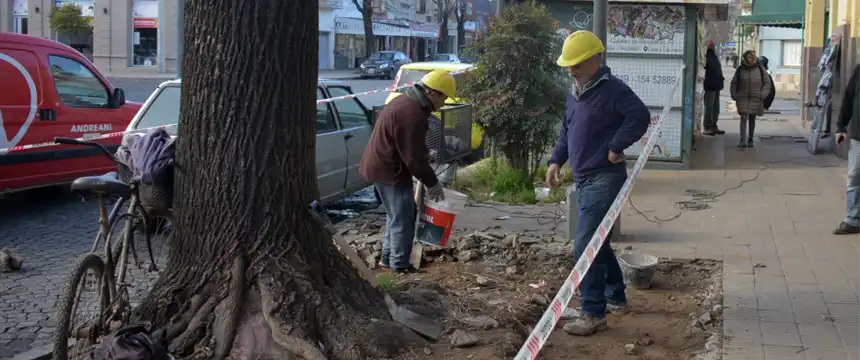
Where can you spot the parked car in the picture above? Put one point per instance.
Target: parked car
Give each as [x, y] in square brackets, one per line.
[383, 64]
[415, 71]
[445, 57]
[343, 130]
[51, 90]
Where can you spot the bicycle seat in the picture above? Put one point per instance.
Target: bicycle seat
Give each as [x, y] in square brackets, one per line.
[107, 183]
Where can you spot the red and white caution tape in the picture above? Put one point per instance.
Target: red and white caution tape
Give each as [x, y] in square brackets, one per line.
[92, 138]
[393, 88]
[550, 318]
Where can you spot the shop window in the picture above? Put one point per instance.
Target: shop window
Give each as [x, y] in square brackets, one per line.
[351, 113]
[791, 53]
[145, 46]
[76, 85]
[325, 119]
[164, 110]
[422, 6]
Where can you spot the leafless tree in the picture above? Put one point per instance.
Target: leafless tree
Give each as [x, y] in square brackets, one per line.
[444, 8]
[366, 9]
[251, 271]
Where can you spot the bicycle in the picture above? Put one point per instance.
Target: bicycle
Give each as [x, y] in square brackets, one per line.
[819, 127]
[107, 271]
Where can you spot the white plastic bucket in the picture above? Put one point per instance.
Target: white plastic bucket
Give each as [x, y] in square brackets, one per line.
[436, 219]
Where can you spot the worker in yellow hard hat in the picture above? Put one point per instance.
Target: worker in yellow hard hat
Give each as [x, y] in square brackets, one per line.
[395, 153]
[603, 117]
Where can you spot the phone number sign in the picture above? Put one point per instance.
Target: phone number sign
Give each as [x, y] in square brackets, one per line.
[651, 79]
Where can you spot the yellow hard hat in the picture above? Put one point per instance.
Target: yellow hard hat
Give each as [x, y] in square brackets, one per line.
[441, 81]
[578, 47]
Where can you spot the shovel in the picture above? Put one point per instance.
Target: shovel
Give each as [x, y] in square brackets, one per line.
[422, 325]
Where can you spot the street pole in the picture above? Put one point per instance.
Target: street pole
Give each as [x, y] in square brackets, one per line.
[160, 36]
[601, 12]
[180, 37]
[499, 7]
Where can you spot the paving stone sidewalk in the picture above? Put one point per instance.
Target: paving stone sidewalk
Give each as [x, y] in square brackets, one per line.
[790, 286]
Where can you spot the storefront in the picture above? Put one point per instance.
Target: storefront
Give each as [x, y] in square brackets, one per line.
[648, 42]
[145, 34]
[423, 40]
[349, 39]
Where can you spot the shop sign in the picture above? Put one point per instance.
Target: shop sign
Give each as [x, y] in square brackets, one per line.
[356, 27]
[650, 79]
[19, 8]
[86, 6]
[145, 23]
[429, 31]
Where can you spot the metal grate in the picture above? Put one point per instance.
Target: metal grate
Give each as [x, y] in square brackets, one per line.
[447, 143]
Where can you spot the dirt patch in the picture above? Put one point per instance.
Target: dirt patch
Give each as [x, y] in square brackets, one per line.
[491, 287]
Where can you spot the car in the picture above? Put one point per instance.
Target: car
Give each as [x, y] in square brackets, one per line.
[413, 72]
[343, 131]
[445, 57]
[383, 64]
[51, 90]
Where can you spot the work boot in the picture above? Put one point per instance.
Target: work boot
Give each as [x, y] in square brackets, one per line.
[750, 143]
[846, 229]
[719, 132]
[708, 132]
[407, 270]
[585, 326]
[617, 309]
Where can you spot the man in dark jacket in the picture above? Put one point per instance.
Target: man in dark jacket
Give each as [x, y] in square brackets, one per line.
[849, 125]
[395, 153]
[603, 117]
[714, 81]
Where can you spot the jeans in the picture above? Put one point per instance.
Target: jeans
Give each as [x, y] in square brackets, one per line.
[603, 282]
[712, 109]
[852, 217]
[399, 225]
[747, 121]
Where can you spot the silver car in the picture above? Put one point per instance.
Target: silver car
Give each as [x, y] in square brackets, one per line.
[343, 130]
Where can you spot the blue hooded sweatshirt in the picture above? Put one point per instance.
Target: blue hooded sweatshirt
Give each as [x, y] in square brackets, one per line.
[605, 115]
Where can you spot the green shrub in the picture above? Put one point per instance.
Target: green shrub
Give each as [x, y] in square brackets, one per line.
[67, 19]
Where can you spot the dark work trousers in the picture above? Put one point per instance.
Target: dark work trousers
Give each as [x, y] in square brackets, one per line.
[747, 122]
[603, 282]
[712, 109]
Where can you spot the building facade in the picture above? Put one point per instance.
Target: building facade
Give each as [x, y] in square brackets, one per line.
[783, 48]
[128, 35]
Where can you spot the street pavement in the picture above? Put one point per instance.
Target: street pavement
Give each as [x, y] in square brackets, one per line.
[50, 228]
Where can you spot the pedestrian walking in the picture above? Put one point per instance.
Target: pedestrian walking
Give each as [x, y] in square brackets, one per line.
[395, 153]
[603, 117]
[714, 83]
[849, 127]
[749, 88]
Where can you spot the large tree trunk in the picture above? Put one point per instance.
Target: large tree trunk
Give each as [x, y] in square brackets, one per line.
[367, 17]
[250, 269]
[443, 34]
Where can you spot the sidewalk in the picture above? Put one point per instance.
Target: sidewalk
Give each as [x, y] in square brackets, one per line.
[790, 287]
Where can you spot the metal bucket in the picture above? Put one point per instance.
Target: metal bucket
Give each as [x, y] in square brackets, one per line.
[638, 269]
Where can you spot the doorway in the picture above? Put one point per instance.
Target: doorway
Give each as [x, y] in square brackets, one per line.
[20, 25]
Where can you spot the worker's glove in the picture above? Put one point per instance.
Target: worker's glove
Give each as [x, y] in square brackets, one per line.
[436, 193]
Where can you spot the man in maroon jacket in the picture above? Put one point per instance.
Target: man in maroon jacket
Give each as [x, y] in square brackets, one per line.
[395, 153]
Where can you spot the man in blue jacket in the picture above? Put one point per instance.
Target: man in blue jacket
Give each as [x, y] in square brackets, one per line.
[603, 117]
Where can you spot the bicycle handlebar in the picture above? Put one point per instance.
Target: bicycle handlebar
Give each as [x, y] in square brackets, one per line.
[70, 141]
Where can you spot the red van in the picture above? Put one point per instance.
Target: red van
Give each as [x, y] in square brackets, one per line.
[51, 90]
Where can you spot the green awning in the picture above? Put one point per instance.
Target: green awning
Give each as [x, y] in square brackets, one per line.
[783, 13]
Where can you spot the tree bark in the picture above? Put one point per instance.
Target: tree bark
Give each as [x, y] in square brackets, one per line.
[461, 25]
[250, 269]
[367, 17]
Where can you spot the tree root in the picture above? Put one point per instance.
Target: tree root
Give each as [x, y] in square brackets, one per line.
[189, 336]
[233, 308]
[295, 345]
[182, 323]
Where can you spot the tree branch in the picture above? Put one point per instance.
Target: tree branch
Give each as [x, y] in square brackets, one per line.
[357, 6]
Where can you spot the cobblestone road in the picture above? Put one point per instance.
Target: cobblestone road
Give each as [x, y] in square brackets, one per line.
[50, 229]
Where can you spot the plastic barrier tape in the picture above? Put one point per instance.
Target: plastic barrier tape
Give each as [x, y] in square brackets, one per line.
[550, 318]
[100, 137]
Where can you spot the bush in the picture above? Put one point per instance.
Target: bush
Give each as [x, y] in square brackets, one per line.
[495, 179]
[67, 19]
[517, 89]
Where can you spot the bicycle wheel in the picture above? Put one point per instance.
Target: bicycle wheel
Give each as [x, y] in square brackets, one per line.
[87, 278]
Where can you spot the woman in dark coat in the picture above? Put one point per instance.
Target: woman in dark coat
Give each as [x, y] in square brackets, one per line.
[750, 86]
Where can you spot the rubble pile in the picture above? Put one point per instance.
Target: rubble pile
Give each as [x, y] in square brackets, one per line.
[491, 246]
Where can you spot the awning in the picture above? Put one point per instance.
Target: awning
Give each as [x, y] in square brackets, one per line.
[780, 13]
